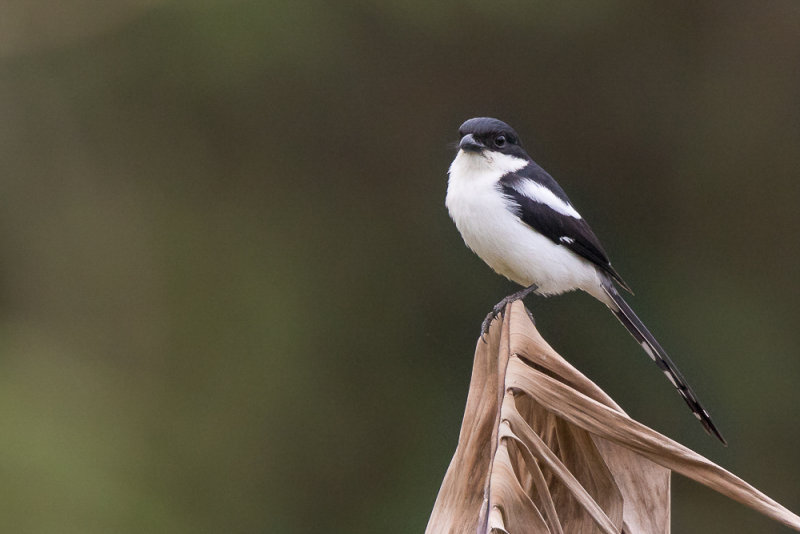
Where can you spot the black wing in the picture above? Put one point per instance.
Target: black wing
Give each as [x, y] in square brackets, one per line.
[565, 230]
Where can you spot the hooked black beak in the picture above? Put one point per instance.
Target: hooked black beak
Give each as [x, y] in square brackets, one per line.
[470, 144]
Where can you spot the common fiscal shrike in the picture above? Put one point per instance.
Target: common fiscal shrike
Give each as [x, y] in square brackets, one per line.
[515, 216]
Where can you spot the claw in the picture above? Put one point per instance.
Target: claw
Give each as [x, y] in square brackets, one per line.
[530, 316]
[500, 308]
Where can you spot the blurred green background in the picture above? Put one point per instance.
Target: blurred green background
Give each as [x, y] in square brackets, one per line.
[231, 299]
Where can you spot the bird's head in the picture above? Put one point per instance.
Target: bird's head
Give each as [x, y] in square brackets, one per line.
[484, 135]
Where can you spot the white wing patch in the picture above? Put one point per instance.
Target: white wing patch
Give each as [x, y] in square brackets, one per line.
[567, 240]
[539, 193]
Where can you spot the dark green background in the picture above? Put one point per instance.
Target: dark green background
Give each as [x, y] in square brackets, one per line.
[231, 299]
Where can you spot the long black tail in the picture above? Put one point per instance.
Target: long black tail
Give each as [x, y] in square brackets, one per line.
[640, 332]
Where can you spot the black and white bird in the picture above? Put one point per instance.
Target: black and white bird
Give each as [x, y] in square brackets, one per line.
[515, 216]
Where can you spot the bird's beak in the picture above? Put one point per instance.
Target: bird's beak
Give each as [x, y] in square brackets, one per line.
[470, 144]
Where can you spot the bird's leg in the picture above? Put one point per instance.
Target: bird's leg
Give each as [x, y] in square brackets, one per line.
[500, 307]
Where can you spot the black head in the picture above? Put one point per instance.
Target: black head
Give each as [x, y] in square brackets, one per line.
[485, 133]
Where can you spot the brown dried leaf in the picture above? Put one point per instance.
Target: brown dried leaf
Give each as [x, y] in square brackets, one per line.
[543, 450]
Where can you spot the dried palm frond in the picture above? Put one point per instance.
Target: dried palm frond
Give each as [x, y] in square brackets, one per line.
[542, 449]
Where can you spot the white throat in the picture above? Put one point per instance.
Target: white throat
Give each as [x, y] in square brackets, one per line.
[495, 163]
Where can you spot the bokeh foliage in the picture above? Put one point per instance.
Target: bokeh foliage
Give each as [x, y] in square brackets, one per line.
[231, 299]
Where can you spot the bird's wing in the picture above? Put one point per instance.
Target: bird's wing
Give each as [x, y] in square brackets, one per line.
[541, 204]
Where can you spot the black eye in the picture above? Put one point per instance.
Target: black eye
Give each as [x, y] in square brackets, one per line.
[500, 141]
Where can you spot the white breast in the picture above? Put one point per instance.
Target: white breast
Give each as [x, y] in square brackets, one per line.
[508, 245]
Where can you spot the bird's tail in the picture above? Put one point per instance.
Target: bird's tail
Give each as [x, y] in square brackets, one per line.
[640, 332]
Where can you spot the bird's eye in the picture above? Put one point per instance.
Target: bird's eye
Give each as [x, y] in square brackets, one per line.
[500, 141]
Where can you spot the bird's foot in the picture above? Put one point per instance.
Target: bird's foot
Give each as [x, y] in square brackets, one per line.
[500, 307]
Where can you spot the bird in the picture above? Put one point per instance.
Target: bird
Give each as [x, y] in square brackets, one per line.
[518, 220]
